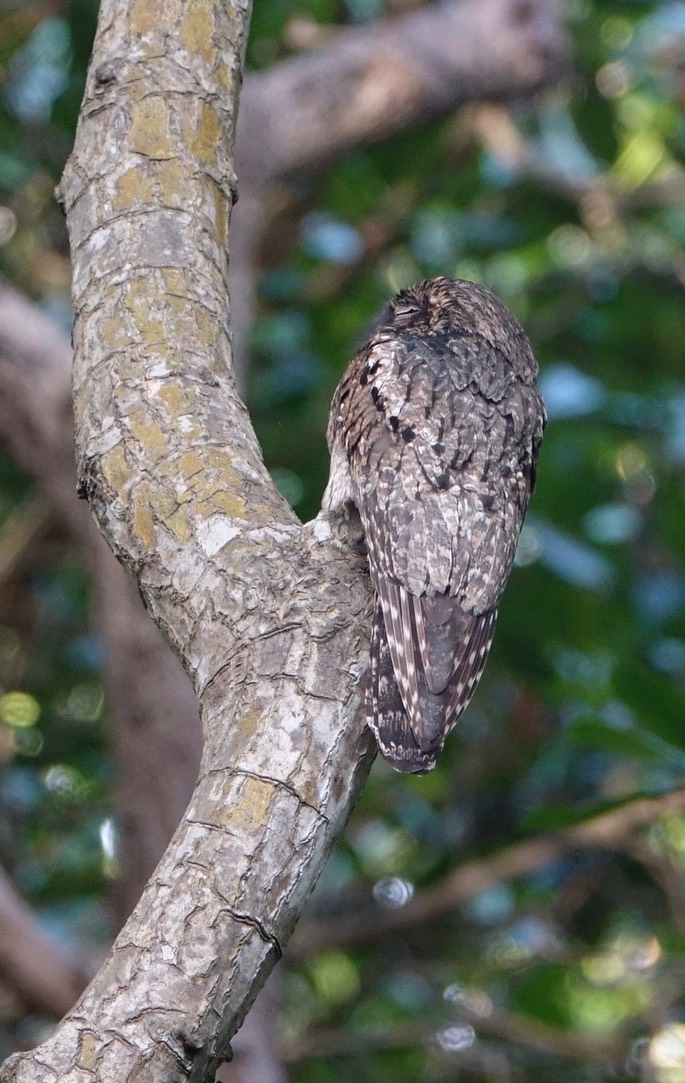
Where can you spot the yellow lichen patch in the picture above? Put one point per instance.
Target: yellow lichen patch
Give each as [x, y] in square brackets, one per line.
[150, 436]
[150, 128]
[193, 432]
[204, 141]
[174, 182]
[261, 513]
[88, 1051]
[219, 459]
[152, 333]
[178, 319]
[247, 724]
[179, 525]
[218, 484]
[177, 306]
[138, 303]
[197, 29]
[230, 503]
[223, 74]
[190, 464]
[175, 281]
[133, 186]
[186, 487]
[143, 524]
[206, 326]
[251, 810]
[116, 469]
[220, 209]
[81, 403]
[113, 333]
[177, 400]
[144, 16]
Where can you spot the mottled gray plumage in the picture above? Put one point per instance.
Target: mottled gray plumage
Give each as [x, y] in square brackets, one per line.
[434, 435]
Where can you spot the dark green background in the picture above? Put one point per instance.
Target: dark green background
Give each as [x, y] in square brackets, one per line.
[583, 702]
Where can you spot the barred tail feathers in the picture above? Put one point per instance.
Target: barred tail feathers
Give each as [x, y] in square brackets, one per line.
[385, 710]
[427, 656]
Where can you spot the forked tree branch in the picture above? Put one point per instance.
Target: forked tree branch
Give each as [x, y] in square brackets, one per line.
[153, 712]
[170, 463]
[269, 617]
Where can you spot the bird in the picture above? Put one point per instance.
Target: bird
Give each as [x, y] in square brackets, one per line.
[434, 434]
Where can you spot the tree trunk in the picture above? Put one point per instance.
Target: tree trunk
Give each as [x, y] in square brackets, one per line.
[270, 617]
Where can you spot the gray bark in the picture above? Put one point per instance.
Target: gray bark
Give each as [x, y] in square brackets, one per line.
[269, 617]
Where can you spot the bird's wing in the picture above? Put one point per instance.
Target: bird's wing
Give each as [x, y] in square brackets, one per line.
[442, 459]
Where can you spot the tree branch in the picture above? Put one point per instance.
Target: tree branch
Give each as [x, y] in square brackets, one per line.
[371, 82]
[269, 617]
[35, 968]
[524, 1030]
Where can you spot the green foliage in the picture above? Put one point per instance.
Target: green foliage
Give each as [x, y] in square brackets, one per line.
[570, 207]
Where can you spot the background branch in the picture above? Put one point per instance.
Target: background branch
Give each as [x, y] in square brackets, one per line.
[369, 83]
[495, 1023]
[606, 831]
[31, 964]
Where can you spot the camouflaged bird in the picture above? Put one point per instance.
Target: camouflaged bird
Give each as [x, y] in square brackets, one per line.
[434, 435]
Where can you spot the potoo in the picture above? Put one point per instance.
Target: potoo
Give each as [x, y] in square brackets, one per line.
[434, 435]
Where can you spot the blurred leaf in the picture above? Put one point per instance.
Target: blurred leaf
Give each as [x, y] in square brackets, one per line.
[541, 993]
[626, 742]
[556, 817]
[657, 702]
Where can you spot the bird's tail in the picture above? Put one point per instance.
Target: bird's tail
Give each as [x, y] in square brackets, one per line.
[417, 692]
[385, 710]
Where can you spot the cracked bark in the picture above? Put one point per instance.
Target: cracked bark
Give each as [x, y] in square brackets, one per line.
[261, 609]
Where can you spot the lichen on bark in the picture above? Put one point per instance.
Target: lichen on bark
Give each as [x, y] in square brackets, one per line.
[256, 605]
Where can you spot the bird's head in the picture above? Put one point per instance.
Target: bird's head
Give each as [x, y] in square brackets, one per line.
[454, 307]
